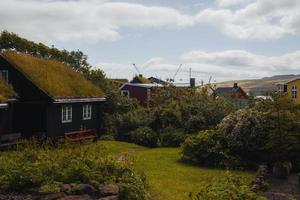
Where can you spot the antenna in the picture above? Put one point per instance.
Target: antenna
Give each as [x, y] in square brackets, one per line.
[136, 68]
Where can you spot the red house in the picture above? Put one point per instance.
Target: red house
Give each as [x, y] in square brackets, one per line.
[140, 91]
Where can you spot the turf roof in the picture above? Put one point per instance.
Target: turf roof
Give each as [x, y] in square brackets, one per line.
[140, 79]
[53, 77]
[6, 91]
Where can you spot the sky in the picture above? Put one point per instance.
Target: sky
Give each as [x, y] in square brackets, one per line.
[225, 39]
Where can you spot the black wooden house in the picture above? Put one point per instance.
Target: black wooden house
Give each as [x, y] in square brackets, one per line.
[52, 98]
[7, 98]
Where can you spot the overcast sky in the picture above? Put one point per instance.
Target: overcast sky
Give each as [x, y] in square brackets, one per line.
[226, 39]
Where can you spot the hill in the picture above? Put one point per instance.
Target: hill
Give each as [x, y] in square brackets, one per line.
[260, 86]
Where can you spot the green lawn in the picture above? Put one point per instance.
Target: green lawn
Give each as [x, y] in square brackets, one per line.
[168, 178]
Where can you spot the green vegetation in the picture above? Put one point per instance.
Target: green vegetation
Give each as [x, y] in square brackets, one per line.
[53, 77]
[46, 169]
[140, 79]
[228, 188]
[167, 176]
[266, 132]
[6, 91]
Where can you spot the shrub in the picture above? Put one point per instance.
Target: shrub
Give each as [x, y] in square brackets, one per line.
[172, 137]
[144, 136]
[47, 169]
[209, 148]
[247, 130]
[231, 188]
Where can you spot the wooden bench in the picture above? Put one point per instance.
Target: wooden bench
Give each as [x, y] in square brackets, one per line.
[9, 141]
[78, 136]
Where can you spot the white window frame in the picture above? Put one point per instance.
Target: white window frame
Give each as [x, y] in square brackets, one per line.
[125, 93]
[294, 92]
[87, 111]
[66, 113]
[6, 75]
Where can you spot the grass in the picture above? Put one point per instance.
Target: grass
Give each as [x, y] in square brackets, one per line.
[53, 77]
[6, 91]
[168, 178]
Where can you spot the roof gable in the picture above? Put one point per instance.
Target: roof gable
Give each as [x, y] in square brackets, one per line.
[6, 91]
[54, 78]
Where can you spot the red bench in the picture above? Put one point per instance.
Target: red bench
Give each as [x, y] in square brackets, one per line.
[78, 136]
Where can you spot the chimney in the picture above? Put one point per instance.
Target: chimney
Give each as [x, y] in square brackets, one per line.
[235, 85]
[192, 82]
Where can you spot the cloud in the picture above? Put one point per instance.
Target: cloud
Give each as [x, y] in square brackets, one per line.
[222, 65]
[83, 21]
[90, 21]
[260, 19]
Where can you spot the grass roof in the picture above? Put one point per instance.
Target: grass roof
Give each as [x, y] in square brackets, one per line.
[54, 78]
[6, 91]
[140, 79]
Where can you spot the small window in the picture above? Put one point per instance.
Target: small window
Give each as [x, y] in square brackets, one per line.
[294, 92]
[4, 75]
[87, 112]
[125, 93]
[66, 113]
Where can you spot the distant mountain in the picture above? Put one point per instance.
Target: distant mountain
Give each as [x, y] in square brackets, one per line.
[260, 86]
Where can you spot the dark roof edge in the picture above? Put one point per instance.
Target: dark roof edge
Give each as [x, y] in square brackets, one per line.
[78, 100]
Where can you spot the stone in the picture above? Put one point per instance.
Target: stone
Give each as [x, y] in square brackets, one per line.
[53, 196]
[281, 170]
[109, 198]
[108, 190]
[66, 188]
[76, 197]
[84, 189]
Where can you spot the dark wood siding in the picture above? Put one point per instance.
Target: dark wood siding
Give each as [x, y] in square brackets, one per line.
[55, 127]
[6, 120]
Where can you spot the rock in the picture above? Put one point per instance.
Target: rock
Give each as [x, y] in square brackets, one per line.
[108, 190]
[53, 196]
[281, 170]
[76, 197]
[255, 187]
[66, 188]
[84, 189]
[109, 198]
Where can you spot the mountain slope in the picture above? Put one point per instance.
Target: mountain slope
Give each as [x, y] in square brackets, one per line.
[260, 86]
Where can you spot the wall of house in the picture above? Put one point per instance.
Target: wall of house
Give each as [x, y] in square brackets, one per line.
[289, 90]
[6, 120]
[55, 127]
[138, 93]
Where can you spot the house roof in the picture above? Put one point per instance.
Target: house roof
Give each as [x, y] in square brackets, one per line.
[140, 79]
[226, 91]
[285, 83]
[6, 91]
[54, 78]
[142, 85]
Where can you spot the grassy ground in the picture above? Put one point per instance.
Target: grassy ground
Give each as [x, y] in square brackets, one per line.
[169, 179]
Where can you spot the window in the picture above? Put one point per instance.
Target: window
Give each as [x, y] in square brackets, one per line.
[66, 113]
[125, 93]
[4, 75]
[294, 92]
[87, 111]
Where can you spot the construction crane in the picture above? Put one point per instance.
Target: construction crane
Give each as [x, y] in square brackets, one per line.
[136, 68]
[177, 72]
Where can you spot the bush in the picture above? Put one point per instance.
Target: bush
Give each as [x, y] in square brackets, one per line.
[46, 169]
[144, 136]
[209, 148]
[231, 188]
[246, 128]
[172, 137]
